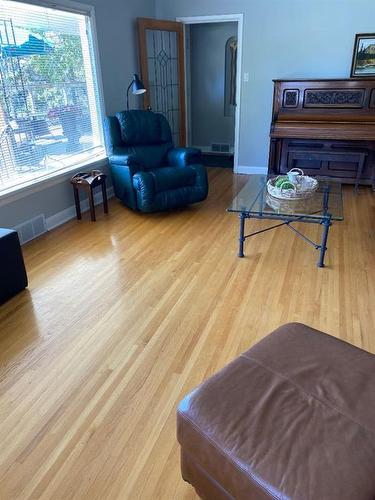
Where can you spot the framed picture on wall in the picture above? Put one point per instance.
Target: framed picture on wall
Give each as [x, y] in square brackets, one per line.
[363, 64]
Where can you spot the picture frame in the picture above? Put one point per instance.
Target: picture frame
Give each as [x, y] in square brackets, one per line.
[363, 63]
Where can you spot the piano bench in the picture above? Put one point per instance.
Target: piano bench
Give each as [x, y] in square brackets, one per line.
[356, 156]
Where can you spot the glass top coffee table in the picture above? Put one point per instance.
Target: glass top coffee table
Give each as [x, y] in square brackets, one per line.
[324, 206]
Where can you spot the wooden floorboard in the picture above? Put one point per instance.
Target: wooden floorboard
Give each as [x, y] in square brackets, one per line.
[126, 315]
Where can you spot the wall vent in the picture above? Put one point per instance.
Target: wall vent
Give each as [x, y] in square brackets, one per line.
[31, 229]
[220, 148]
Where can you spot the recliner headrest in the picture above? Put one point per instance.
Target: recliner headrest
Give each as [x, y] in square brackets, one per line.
[143, 127]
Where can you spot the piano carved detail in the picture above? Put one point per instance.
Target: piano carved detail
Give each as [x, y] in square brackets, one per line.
[291, 98]
[322, 98]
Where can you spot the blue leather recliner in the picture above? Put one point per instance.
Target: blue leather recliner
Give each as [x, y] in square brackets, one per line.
[148, 173]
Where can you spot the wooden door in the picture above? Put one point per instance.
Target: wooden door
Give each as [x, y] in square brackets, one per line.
[161, 49]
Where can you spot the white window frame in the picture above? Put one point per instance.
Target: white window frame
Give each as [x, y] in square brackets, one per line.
[25, 189]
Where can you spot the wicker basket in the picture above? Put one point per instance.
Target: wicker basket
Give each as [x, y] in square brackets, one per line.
[302, 189]
[286, 206]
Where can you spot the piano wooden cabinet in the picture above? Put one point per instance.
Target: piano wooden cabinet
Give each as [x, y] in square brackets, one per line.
[324, 127]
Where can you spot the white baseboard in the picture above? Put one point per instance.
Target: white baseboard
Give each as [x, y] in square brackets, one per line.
[251, 170]
[70, 212]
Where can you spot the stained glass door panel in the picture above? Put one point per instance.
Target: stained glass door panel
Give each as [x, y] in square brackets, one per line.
[162, 67]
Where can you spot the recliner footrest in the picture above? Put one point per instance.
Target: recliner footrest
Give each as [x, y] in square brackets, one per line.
[167, 178]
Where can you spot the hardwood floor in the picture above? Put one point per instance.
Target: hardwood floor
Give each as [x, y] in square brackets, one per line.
[126, 315]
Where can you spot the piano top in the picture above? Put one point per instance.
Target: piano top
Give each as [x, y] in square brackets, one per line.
[320, 80]
[324, 109]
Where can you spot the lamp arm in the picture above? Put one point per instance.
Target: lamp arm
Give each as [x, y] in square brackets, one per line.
[127, 95]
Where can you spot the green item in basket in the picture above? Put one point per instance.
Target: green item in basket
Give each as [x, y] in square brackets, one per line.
[280, 180]
[287, 185]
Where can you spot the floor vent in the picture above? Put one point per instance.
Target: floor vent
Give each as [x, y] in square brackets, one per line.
[31, 229]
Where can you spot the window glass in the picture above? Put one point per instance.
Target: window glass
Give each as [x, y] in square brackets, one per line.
[49, 100]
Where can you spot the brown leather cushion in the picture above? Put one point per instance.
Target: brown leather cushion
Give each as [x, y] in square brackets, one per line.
[292, 418]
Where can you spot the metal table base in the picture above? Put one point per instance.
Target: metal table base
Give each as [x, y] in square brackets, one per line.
[324, 221]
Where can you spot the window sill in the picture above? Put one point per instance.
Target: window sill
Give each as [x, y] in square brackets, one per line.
[17, 192]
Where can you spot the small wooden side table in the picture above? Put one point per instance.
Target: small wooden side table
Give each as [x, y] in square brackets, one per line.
[89, 181]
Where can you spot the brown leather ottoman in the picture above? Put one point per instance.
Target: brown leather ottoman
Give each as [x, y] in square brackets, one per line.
[292, 418]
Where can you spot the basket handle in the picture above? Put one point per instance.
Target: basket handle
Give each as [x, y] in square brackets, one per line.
[301, 172]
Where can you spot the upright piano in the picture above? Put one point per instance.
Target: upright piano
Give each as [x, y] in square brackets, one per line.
[324, 127]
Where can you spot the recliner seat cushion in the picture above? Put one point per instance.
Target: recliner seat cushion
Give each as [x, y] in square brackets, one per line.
[292, 418]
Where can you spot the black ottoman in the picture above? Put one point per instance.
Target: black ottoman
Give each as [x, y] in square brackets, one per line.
[13, 277]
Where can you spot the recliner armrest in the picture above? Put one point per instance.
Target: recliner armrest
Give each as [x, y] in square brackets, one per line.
[144, 188]
[143, 182]
[181, 157]
[125, 159]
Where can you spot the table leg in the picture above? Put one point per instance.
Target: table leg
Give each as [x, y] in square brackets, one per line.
[242, 235]
[323, 247]
[77, 202]
[92, 206]
[359, 172]
[105, 201]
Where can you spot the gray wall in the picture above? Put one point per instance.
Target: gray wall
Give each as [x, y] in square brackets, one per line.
[207, 80]
[117, 40]
[48, 202]
[282, 39]
[118, 46]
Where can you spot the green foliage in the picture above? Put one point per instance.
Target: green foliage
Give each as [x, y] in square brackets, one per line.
[64, 64]
[42, 82]
[46, 98]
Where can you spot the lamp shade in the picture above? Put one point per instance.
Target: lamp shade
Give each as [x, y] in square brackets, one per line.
[137, 88]
[137, 85]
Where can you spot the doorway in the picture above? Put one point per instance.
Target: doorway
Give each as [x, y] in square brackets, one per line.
[213, 78]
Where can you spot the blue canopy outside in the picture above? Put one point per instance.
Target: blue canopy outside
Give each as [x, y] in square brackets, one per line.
[33, 46]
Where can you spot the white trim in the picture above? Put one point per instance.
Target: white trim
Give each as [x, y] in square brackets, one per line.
[98, 73]
[216, 18]
[65, 5]
[17, 192]
[238, 96]
[70, 213]
[251, 170]
[187, 70]
[221, 19]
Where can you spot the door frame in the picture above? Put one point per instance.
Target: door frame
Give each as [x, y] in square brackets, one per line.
[223, 18]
